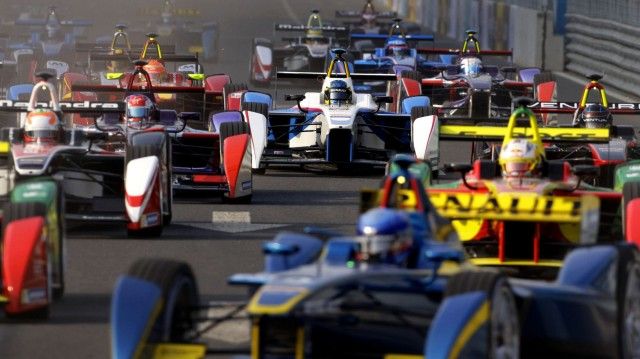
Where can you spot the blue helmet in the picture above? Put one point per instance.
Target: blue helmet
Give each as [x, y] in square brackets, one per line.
[385, 236]
[338, 93]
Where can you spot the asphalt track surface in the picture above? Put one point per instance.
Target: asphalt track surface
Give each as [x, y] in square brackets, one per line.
[283, 200]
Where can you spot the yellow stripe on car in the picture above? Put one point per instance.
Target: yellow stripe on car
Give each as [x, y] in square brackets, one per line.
[4, 147]
[498, 133]
[179, 351]
[472, 326]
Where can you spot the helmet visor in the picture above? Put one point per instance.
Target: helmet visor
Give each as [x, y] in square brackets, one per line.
[137, 111]
[517, 168]
[339, 96]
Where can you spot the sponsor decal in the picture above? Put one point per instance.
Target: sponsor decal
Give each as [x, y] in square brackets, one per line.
[33, 295]
[246, 185]
[9, 104]
[506, 207]
[151, 219]
[575, 105]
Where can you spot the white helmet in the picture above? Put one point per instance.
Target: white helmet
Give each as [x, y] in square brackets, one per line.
[519, 158]
[41, 125]
[470, 65]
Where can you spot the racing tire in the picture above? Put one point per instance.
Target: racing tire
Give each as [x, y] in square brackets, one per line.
[504, 330]
[15, 211]
[140, 151]
[630, 191]
[628, 301]
[180, 297]
[413, 75]
[420, 111]
[24, 68]
[258, 107]
[228, 129]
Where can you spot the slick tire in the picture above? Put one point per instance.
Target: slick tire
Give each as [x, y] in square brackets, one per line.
[420, 111]
[628, 300]
[413, 75]
[231, 88]
[504, 331]
[179, 297]
[258, 107]
[544, 76]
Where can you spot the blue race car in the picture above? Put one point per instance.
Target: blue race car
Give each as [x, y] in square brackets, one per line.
[49, 43]
[398, 288]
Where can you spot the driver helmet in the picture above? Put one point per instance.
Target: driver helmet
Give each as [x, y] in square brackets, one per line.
[519, 158]
[384, 236]
[470, 65]
[398, 48]
[156, 71]
[338, 93]
[139, 111]
[42, 125]
[594, 116]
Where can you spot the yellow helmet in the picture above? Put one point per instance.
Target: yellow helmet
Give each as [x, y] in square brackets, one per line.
[519, 158]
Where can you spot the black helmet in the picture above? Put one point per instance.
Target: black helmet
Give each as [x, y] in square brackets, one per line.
[338, 93]
[595, 116]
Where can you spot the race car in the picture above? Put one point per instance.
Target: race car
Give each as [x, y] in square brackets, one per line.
[398, 288]
[335, 126]
[303, 53]
[466, 86]
[164, 70]
[623, 144]
[184, 29]
[395, 50]
[217, 160]
[49, 40]
[524, 193]
[32, 249]
[370, 21]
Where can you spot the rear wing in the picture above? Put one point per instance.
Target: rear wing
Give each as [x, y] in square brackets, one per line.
[527, 207]
[43, 22]
[137, 88]
[571, 107]
[103, 48]
[165, 58]
[385, 37]
[387, 15]
[445, 51]
[471, 132]
[302, 28]
[81, 107]
[322, 75]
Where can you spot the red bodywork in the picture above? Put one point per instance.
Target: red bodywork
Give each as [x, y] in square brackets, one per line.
[24, 266]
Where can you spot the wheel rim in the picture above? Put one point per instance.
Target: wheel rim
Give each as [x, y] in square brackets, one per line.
[505, 330]
[632, 314]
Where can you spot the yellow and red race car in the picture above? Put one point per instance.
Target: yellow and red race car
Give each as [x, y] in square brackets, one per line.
[527, 212]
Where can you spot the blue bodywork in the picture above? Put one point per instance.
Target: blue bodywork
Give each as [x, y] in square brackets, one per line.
[330, 288]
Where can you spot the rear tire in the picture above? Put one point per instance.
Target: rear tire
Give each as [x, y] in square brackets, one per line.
[258, 107]
[504, 332]
[228, 129]
[179, 294]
